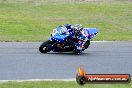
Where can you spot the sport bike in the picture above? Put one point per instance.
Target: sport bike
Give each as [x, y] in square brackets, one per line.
[61, 41]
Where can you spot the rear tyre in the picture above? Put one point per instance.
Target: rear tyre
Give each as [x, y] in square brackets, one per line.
[86, 45]
[44, 47]
[77, 52]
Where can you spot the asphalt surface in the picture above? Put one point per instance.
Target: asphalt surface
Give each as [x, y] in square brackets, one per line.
[23, 61]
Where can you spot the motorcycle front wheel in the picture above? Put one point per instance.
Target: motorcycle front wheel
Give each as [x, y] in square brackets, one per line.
[44, 47]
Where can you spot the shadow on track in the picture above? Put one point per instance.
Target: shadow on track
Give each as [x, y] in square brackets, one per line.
[66, 53]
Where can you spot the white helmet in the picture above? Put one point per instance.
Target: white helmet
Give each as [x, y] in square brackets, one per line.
[63, 30]
[78, 28]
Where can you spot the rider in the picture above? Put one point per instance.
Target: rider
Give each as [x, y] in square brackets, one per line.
[77, 33]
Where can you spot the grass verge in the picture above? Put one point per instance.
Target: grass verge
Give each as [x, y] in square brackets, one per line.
[60, 84]
[33, 21]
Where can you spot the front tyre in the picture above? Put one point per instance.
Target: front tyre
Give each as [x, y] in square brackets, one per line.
[44, 47]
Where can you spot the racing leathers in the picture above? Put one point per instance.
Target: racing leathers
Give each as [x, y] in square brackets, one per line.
[80, 38]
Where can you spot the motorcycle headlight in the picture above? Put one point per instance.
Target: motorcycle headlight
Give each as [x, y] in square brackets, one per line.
[53, 32]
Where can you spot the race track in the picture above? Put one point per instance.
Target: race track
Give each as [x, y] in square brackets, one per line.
[23, 60]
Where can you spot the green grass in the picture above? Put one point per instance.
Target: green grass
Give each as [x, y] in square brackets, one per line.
[60, 84]
[34, 21]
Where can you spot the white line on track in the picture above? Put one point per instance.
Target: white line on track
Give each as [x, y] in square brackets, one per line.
[112, 41]
[101, 41]
[33, 80]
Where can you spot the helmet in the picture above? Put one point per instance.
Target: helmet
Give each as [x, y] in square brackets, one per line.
[63, 30]
[78, 28]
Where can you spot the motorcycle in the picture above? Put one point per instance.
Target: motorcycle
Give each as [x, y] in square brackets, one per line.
[61, 42]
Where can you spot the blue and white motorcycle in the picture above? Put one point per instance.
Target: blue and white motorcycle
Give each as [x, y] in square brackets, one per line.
[61, 41]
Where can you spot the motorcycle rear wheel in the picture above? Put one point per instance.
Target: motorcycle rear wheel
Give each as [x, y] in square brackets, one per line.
[86, 45]
[77, 52]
